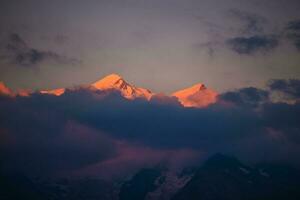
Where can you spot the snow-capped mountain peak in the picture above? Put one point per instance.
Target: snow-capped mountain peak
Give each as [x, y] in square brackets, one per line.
[115, 81]
[56, 92]
[196, 96]
[191, 90]
[4, 90]
[110, 81]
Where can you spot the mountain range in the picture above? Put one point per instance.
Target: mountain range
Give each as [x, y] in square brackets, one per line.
[197, 95]
[219, 177]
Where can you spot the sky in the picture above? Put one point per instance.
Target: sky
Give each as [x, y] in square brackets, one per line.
[162, 45]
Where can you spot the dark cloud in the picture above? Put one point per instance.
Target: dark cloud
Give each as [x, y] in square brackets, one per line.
[47, 133]
[253, 44]
[17, 51]
[289, 88]
[251, 22]
[294, 25]
[293, 33]
[284, 118]
[249, 97]
[41, 141]
[295, 38]
[162, 99]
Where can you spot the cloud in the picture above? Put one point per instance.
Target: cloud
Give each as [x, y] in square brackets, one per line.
[293, 33]
[44, 142]
[294, 25]
[288, 88]
[295, 38]
[132, 157]
[252, 44]
[81, 130]
[17, 51]
[162, 99]
[283, 118]
[251, 22]
[249, 97]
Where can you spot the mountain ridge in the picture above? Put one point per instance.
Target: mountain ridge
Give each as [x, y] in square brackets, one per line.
[197, 95]
[115, 81]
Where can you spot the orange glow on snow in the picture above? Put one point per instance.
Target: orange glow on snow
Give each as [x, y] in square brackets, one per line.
[56, 92]
[114, 81]
[5, 90]
[24, 93]
[196, 96]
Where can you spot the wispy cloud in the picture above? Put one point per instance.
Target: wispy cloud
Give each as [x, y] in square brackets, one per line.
[252, 44]
[289, 88]
[293, 32]
[294, 25]
[17, 51]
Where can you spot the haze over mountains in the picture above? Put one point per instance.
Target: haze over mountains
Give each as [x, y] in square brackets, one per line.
[197, 95]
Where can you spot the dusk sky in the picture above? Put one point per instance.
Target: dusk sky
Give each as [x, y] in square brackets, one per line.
[160, 45]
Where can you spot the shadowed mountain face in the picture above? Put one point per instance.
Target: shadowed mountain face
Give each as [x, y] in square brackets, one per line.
[223, 177]
[18, 187]
[140, 185]
[220, 177]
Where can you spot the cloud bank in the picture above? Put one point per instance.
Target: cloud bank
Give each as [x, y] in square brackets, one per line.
[85, 129]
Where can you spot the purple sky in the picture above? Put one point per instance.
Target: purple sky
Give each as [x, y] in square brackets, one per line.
[163, 45]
